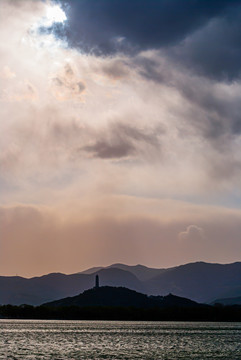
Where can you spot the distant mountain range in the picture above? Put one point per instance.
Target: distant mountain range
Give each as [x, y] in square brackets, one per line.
[228, 301]
[201, 282]
[121, 297]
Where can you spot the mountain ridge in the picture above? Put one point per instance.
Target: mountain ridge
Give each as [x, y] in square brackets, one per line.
[199, 281]
[121, 297]
[228, 301]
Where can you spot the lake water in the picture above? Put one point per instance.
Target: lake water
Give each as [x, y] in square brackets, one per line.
[58, 340]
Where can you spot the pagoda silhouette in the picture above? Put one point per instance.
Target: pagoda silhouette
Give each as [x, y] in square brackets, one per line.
[97, 282]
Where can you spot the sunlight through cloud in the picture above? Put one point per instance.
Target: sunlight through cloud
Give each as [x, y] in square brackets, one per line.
[54, 14]
[37, 35]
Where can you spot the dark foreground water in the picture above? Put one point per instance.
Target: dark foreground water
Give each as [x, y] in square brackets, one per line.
[31, 339]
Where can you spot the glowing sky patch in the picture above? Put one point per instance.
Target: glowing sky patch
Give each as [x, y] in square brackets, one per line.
[37, 35]
[54, 14]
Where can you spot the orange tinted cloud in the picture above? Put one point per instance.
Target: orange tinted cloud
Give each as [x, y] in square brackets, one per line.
[37, 240]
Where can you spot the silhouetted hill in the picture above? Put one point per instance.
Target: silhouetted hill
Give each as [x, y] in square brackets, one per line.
[142, 272]
[201, 282]
[119, 277]
[17, 290]
[171, 300]
[35, 291]
[121, 297]
[91, 270]
[228, 301]
[198, 281]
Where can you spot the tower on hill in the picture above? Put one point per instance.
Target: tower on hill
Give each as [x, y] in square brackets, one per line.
[97, 284]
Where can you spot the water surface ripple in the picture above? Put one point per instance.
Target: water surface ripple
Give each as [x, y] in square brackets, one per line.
[62, 340]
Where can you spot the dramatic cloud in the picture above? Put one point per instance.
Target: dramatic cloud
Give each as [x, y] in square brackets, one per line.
[120, 129]
[106, 25]
[121, 140]
[203, 35]
[214, 50]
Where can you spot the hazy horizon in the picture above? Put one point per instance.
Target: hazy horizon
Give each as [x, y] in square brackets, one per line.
[120, 134]
[111, 265]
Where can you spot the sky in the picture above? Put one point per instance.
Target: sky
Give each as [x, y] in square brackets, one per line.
[120, 133]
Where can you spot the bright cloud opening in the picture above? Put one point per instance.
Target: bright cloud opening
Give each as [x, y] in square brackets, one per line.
[37, 38]
[54, 14]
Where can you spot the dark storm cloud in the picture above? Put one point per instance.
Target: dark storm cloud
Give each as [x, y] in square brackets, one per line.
[107, 25]
[203, 35]
[121, 141]
[152, 69]
[215, 50]
[105, 150]
[217, 113]
[215, 108]
[116, 69]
